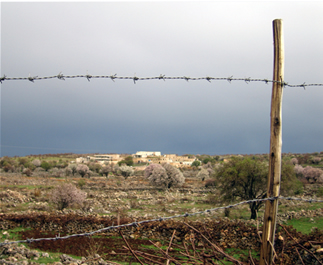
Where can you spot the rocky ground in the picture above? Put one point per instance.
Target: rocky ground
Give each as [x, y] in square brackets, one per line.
[25, 202]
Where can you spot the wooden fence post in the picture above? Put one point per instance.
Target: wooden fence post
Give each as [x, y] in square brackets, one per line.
[274, 175]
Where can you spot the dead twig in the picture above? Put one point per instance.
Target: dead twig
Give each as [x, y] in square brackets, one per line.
[141, 254]
[299, 255]
[169, 245]
[275, 255]
[133, 253]
[216, 247]
[214, 251]
[163, 252]
[298, 244]
[251, 259]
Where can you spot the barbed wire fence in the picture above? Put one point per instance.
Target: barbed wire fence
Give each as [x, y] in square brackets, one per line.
[135, 78]
[159, 219]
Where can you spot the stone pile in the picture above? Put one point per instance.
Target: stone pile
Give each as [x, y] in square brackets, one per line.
[13, 197]
[20, 255]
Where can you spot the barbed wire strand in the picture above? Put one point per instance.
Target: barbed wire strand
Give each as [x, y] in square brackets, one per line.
[158, 220]
[160, 77]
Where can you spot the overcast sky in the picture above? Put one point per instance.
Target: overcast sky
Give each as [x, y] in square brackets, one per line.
[194, 39]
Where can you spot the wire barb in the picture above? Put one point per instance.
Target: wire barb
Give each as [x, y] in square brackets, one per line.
[112, 77]
[161, 77]
[2, 78]
[88, 77]
[60, 76]
[208, 79]
[31, 79]
[135, 78]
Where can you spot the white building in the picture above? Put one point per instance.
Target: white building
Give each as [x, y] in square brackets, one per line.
[146, 154]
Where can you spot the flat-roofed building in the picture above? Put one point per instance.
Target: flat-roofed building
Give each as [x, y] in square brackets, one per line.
[146, 154]
[102, 158]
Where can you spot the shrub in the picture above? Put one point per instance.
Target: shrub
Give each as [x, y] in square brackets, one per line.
[294, 161]
[320, 192]
[81, 183]
[5, 161]
[36, 162]
[128, 161]
[208, 159]
[66, 195]
[203, 174]
[68, 171]
[37, 192]
[27, 171]
[8, 168]
[22, 161]
[126, 171]
[210, 183]
[95, 167]
[56, 173]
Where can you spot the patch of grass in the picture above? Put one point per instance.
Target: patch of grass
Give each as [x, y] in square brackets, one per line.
[153, 247]
[304, 206]
[240, 254]
[306, 224]
[12, 234]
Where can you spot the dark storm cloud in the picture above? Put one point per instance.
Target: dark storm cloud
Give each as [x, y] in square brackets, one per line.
[148, 39]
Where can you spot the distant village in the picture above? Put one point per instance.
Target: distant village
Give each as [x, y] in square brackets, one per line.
[141, 157]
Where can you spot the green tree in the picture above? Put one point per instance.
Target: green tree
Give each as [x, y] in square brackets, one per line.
[208, 159]
[246, 179]
[45, 165]
[196, 163]
[128, 161]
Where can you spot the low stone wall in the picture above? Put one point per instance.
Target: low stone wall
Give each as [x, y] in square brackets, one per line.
[230, 233]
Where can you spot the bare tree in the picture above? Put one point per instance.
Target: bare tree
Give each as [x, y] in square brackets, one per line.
[67, 195]
[312, 174]
[82, 169]
[149, 169]
[316, 160]
[298, 170]
[68, 171]
[73, 168]
[105, 170]
[165, 176]
[294, 161]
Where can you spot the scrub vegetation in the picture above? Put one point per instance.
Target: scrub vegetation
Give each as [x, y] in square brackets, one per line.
[38, 186]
